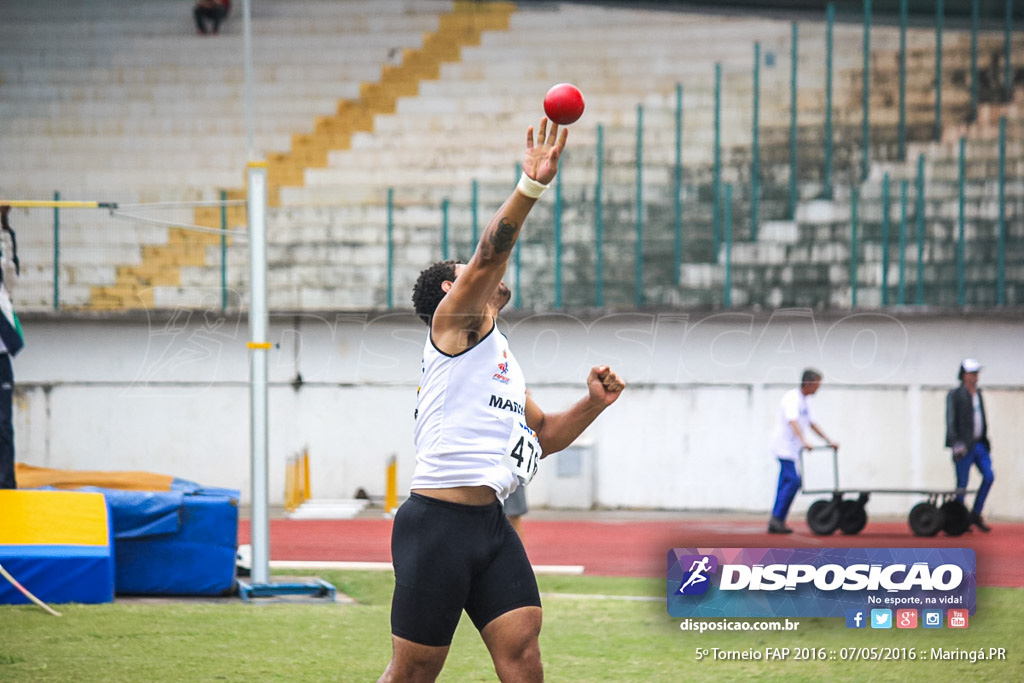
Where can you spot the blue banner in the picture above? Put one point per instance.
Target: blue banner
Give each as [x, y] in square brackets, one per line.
[817, 582]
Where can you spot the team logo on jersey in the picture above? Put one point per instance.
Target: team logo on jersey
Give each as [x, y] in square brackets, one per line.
[502, 374]
[506, 404]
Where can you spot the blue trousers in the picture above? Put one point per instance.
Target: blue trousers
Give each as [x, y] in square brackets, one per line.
[789, 485]
[980, 458]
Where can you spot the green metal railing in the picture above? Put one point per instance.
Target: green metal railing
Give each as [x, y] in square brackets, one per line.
[901, 292]
[475, 203]
[919, 299]
[717, 169]
[599, 219]
[223, 249]
[794, 61]
[391, 244]
[870, 223]
[445, 229]
[854, 245]
[677, 189]
[1001, 235]
[638, 298]
[886, 208]
[960, 222]
[517, 256]
[755, 147]
[558, 241]
[56, 253]
[727, 293]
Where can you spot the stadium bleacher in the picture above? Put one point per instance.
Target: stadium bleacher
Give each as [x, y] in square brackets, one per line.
[429, 97]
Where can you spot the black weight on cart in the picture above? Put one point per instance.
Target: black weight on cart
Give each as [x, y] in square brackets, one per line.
[941, 511]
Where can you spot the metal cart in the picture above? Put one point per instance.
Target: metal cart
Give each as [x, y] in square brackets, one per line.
[941, 511]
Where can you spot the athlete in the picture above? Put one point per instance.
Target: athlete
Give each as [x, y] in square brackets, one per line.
[478, 436]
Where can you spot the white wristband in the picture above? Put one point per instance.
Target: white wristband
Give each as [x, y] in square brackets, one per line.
[530, 187]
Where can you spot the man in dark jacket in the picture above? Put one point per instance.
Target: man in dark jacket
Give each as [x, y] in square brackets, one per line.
[967, 435]
[11, 341]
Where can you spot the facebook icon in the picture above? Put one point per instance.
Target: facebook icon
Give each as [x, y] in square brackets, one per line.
[855, 618]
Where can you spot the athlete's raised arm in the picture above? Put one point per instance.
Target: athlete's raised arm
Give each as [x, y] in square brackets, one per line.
[472, 300]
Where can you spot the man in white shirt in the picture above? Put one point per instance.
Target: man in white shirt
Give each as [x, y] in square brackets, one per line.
[791, 426]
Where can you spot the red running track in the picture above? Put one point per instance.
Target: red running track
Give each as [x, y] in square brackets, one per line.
[640, 548]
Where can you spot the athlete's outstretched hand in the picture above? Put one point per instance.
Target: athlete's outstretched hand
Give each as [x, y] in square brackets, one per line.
[541, 159]
[605, 386]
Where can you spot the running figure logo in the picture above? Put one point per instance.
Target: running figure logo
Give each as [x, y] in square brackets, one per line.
[696, 580]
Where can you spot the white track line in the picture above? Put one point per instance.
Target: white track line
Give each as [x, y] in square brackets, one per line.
[560, 569]
[587, 596]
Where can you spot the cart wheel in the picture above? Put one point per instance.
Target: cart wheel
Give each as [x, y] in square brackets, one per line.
[925, 519]
[823, 517]
[956, 519]
[852, 517]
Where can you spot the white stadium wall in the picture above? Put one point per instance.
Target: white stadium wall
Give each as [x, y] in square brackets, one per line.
[169, 394]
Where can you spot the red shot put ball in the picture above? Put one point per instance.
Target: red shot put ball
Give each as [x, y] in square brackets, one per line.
[564, 104]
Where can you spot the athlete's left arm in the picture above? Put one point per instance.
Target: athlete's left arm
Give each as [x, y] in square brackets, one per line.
[556, 431]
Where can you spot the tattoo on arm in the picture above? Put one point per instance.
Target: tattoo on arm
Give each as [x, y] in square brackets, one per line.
[504, 236]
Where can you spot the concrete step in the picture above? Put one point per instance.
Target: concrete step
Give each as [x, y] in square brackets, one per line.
[127, 129]
[233, 75]
[204, 91]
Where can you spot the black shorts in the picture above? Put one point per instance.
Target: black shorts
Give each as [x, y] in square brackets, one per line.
[450, 557]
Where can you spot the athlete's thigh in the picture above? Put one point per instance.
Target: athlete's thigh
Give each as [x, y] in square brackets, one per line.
[432, 574]
[513, 642]
[506, 583]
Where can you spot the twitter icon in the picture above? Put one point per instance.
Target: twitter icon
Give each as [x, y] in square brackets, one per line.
[881, 618]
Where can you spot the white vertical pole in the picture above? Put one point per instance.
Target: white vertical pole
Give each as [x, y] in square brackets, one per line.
[917, 460]
[247, 48]
[258, 346]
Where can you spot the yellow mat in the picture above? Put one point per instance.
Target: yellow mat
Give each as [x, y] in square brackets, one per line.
[53, 518]
[29, 477]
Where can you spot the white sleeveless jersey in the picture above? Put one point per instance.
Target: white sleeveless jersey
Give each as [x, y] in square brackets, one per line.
[466, 408]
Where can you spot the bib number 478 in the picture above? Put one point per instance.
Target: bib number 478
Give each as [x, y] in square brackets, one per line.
[528, 460]
[523, 453]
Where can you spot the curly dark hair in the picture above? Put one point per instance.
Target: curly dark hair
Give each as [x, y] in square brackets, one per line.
[427, 292]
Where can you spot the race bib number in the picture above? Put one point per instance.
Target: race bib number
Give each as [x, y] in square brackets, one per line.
[522, 454]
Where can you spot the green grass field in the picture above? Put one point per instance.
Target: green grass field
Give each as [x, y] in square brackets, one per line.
[585, 638]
